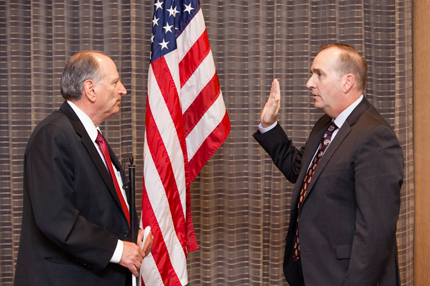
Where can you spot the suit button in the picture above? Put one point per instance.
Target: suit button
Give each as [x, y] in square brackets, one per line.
[126, 234]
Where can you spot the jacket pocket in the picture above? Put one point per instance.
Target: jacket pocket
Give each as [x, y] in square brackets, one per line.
[343, 251]
[65, 272]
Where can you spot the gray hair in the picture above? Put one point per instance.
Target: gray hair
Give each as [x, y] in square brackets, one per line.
[78, 69]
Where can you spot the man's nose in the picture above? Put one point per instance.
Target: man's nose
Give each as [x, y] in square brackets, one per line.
[122, 89]
[310, 83]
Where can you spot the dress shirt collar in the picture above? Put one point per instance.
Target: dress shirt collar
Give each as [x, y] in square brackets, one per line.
[86, 121]
[340, 120]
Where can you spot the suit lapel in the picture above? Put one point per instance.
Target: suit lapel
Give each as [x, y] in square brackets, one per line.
[311, 146]
[337, 141]
[94, 154]
[340, 136]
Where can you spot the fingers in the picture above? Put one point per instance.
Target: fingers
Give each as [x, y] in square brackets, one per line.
[135, 270]
[148, 244]
[140, 237]
[132, 257]
[276, 96]
[271, 109]
[276, 90]
[272, 96]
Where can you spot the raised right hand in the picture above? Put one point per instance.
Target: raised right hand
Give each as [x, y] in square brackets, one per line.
[270, 111]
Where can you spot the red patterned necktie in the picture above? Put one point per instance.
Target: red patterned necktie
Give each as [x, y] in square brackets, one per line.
[103, 147]
[323, 146]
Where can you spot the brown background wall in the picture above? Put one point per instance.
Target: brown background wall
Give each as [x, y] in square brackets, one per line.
[240, 191]
[421, 33]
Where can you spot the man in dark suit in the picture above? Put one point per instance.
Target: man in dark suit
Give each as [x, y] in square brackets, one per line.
[75, 227]
[345, 204]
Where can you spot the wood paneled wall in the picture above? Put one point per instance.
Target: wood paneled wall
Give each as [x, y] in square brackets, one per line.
[421, 34]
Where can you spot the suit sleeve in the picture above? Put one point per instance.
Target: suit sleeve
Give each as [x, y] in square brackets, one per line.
[280, 148]
[378, 179]
[50, 179]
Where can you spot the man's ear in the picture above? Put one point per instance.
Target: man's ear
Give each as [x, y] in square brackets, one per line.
[89, 90]
[348, 83]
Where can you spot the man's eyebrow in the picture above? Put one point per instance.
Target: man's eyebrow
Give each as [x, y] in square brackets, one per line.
[315, 70]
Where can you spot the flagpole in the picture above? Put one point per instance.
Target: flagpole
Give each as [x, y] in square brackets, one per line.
[132, 205]
[131, 172]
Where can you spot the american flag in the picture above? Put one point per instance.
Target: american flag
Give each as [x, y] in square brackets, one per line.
[186, 121]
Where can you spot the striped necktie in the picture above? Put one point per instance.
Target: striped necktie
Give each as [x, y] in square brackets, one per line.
[323, 146]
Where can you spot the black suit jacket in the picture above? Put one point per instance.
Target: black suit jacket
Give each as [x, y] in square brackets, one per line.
[72, 217]
[349, 215]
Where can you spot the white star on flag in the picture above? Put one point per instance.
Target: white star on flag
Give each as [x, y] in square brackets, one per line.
[158, 5]
[188, 8]
[172, 12]
[164, 44]
[155, 21]
[168, 28]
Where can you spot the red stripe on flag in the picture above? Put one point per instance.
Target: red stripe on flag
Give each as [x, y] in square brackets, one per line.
[159, 249]
[201, 104]
[165, 171]
[194, 57]
[209, 146]
[170, 93]
[168, 89]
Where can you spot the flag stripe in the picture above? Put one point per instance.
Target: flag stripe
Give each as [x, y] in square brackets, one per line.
[151, 274]
[195, 84]
[159, 251]
[193, 58]
[169, 122]
[170, 138]
[201, 104]
[172, 228]
[209, 146]
[165, 172]
[169, 92]
[167, 249]
[205, 126]
[190, 34]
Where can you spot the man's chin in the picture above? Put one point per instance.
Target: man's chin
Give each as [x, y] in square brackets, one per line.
[115, 111]
[317, 104]
[117, 108]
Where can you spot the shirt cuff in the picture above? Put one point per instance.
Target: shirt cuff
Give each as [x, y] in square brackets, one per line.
[266, 129]
[116, 257]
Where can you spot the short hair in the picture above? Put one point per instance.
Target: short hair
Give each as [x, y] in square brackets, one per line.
[350, 61]
[78, 69]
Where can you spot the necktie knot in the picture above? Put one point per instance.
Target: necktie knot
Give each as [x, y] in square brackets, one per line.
[99, 138]
[332, 127]
[327, 135]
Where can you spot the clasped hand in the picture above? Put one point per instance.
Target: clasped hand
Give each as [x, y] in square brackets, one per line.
[133, 254]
